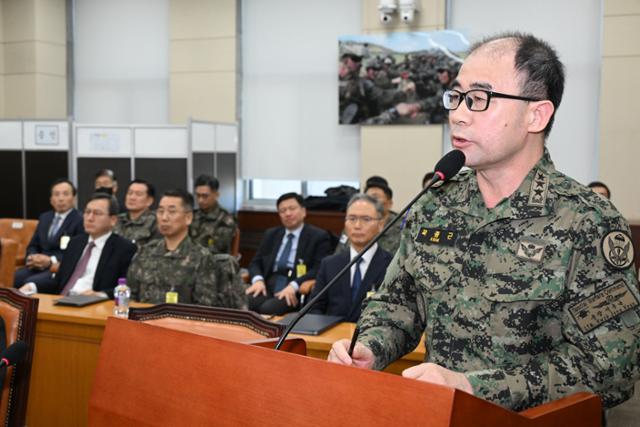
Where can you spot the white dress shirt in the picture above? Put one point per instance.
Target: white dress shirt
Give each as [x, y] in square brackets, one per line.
[364, 264]
[85, 282]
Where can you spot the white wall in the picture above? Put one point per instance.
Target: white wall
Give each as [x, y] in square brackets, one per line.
[121, 61]
[290, 90]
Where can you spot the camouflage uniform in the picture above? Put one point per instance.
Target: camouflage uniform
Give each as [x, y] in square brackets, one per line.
[213, 230]
[389, 242]
[533, 300]
[190, 269]
[140, 231]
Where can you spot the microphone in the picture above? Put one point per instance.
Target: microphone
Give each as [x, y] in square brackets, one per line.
[446, 168]
[13, 354]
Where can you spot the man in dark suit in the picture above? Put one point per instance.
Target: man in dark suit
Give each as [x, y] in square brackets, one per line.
[94, 261]
[51, 237]
[287, 256]
[362, 223]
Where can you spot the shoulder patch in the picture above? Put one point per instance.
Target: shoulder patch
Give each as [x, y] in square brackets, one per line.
[602, 306]
[617, 249]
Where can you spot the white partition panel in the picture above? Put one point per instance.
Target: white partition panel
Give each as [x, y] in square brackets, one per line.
[226, 138]
[104, 141]
[163, 142]
[10, 135]
[203, 137]
[46, 136]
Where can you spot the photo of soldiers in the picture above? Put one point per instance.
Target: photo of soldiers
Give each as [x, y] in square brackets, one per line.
[397, 78]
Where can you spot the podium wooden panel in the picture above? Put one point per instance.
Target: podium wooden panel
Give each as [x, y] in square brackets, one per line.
[151, 375]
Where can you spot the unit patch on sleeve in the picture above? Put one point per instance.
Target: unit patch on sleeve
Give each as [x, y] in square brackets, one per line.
[437, 237]
[602, 306]
[617, 249]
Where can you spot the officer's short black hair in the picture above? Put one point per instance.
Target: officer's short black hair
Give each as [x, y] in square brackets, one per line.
[187, 198]
[539, 66]
[114, 207]
[151, 190]
[287, 196]
[600, 184]
[209, 181]
[62, 181]
[107, 172]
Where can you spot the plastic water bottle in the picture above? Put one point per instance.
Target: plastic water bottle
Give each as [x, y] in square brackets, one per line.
[121, 295]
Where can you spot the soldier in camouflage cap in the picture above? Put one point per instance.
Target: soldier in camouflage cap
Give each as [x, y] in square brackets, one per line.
[176, 269]
[138, 224]
[521, 279]
[213, 227]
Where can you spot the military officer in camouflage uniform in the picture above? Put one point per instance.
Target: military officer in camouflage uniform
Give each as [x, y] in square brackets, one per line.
[176, 269]
[138, 224]
[378, 188]
[213, 227]
[521, 279]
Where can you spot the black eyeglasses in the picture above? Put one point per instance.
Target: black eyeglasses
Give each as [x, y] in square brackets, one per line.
[476, 99]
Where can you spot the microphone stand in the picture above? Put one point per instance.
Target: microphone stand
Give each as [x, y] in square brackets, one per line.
[437, 177]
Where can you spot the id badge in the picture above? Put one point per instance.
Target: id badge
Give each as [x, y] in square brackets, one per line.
[64, 242]
[171, 297]
[301, 270]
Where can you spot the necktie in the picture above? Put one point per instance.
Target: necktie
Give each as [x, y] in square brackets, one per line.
[356, 282]
[81, 267]
[281, 265]
[54, 226]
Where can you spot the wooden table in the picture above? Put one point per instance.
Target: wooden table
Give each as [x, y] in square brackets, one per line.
[66, 355]
[64, 361]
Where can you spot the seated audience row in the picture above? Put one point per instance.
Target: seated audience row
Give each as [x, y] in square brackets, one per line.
[181, 255]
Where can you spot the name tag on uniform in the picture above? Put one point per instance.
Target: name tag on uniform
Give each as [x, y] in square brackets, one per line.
[210, 242]
[436, 236]
[171, 297]
[603, 306]
[64, 242]
[301, 269]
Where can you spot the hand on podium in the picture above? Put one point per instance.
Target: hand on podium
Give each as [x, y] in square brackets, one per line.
[430, 372]
[362, 356]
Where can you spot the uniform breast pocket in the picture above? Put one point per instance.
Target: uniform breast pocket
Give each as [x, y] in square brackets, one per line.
[523, 303]
[432, 266]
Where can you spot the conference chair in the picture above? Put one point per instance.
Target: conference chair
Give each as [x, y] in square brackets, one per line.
[19, 313]
[8, 251]
[21, 231]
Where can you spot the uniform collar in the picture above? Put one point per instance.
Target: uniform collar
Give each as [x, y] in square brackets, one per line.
[531, 199]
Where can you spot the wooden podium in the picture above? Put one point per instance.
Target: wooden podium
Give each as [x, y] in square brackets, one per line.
[151, 375]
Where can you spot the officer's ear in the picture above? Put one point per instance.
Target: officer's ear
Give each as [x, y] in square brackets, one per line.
[540, 113]
[189, 217]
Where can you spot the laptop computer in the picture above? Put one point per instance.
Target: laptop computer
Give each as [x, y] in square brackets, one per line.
[311, 324]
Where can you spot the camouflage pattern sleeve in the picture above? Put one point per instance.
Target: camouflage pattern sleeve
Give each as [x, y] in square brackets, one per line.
[134, 273]
[230, 292]
[224, 235]
[205, 290]
[599, 318]
[390, 325]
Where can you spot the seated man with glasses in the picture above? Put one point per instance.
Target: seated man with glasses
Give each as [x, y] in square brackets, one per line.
[94, 260]
[288, 256]
[520, 278]
[362, 223]
[175, 269]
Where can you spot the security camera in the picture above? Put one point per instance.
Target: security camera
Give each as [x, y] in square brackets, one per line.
[408, 8]
[387, 8]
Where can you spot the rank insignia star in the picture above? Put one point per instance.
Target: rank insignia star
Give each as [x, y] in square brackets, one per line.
[538, 192]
